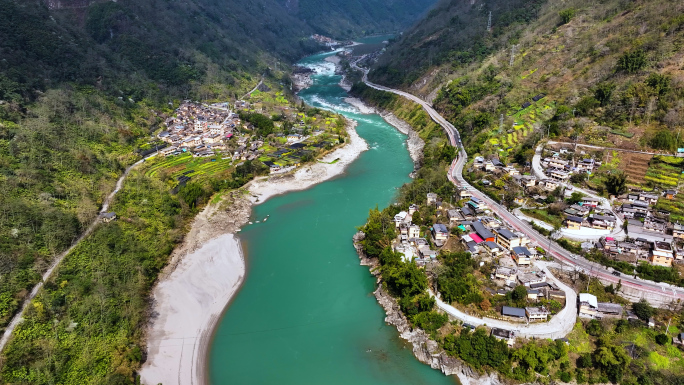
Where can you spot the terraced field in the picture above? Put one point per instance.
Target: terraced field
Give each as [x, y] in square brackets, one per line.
[665, 171]
[635, 167]
[186, 164]
[523, 125]
[674, 206]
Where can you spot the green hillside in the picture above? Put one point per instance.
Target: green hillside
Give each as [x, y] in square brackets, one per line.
[83, 86]
[610, 72]
[352, 18]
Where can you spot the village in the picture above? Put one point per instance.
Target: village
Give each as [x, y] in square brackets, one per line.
[220, 130]
[629, 227]
[515, 264]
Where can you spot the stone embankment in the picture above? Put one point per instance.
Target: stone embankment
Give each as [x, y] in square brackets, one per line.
[425, 350]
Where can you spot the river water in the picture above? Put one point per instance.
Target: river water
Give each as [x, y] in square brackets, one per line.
[306, 313]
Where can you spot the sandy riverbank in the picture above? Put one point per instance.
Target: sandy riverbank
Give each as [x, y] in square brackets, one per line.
[187, 305]
[206, 271]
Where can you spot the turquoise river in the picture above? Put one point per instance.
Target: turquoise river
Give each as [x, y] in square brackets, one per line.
[306, 313]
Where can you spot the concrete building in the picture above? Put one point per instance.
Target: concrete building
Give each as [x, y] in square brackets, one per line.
[537, 313]
[521, 255]
[588, 305]
[513, 312]
[440, 232]
[509, 240]
[662, 254]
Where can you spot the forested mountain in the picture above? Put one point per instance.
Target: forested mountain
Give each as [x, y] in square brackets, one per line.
[611, 71]
[350, 18]
[83, 85]
[453, 33]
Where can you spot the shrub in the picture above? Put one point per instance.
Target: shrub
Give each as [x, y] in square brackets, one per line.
[632, 61]
[565, 377]
[594, 328]
[643, 310]
[662, 339]
[566, 15]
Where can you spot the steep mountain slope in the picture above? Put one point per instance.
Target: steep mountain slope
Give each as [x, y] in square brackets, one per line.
[453, 33]
[350, 18]
[611, 72]
[84, 84]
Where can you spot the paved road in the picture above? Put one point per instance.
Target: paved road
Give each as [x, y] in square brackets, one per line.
[105, 206]
[557, 327]
[612, 148]
[261, 81]
[662, 292]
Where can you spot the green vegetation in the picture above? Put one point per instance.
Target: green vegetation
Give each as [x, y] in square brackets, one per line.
[664, 171]
[544, 216]
[674, 206]
[631, 93]
[616, 183]
[566, 15]
[430, 43]
[86, 325]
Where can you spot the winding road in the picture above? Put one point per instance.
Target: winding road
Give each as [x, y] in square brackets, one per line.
[581, 235]
[659, 294]
[105, 206]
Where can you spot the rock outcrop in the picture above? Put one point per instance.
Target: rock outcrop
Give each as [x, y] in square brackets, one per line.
[425, 350]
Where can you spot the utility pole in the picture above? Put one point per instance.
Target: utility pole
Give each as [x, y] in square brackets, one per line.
[489, 22]
[501, 124]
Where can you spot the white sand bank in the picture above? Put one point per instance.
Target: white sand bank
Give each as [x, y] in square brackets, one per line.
[187, 305]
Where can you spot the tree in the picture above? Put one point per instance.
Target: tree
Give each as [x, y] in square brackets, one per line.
[611, 359]
[485, 304]
[632, 61]
[519, 293]
[594, 328]
[659, 83]
[578, 178]
[191, 193]
[416, 218]
[664, 140]
[662, 339]
[566, 15]
[603, 92]
[643, 310]
[575, 197]
[616, 183]
[621, 326]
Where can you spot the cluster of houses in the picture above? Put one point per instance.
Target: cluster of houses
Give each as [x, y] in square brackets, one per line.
[644, 221]
[560, 169]
[411, 244]
[586, 214]
[659, 253]
[198, 128]
[537, 288]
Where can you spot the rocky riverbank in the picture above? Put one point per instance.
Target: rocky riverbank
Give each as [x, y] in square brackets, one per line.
[301, 78]
[425, 350]
[414, 143]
